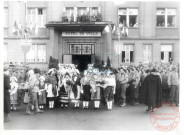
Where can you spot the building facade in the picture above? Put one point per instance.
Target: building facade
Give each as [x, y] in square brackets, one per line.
[83, 32]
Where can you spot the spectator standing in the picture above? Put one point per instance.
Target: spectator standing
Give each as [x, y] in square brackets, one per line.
[173, 82]
[6, 94]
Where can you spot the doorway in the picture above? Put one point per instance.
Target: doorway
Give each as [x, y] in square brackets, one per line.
[81, 61]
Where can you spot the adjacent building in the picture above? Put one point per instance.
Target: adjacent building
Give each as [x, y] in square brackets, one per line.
[83, 32]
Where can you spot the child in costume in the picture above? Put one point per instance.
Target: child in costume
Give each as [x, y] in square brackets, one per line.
[13, 93]
[42, 92]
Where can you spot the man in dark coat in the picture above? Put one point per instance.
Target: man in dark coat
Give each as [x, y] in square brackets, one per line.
[6, 94]
[152, 89]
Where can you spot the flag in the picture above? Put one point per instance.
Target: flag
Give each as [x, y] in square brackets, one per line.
[106, 29]
[118, 32]
[20, 29]
[114, 29]
[35, 29]
[26, 29]
[15, 28]
[31, 27]
[124, 31]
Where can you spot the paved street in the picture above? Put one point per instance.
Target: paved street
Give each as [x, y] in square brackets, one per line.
[128, 118]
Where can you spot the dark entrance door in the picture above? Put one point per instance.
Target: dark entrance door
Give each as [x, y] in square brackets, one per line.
[81, 61]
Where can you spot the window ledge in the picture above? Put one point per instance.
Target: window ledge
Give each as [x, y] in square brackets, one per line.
[37, 62]
[39, 37]
[41, 27]
[133, 27]
[166, 27]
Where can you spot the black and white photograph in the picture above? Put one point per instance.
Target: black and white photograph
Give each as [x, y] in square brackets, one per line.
[91, 66]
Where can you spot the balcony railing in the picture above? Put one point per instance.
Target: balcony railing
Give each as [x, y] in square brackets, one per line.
[85, 18]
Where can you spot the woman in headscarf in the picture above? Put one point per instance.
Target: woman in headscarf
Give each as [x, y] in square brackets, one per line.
[66, 85]
[85, 86]
[96, 90]
[52, 88]
[76, 90]
[42, 92]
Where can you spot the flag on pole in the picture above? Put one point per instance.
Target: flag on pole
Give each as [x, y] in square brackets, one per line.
[124, 31]
[114, 29]
[106, 29]
[35, 29]
[20, 29]
[15, 28]
[31, 27]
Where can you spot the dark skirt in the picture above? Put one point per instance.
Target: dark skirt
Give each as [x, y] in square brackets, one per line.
[86, 96]
[63, 96]
[6, 102]
[108, 93]
[13, 99]
[51, 98]
[96, 95]
[21, 94]
[42, 98]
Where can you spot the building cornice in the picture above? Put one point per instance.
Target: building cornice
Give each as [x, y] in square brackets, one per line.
[146, 39]
[33, 38]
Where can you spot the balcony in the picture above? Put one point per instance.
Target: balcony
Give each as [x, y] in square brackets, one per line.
[77, 26]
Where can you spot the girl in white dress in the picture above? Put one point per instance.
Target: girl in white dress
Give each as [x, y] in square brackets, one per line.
[13, 93]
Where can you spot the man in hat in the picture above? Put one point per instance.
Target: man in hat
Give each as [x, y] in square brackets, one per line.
[152, 90]
[6, 94]
[134, 79]
[173, 82]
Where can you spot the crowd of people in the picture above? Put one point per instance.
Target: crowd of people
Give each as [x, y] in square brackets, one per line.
[67, 86]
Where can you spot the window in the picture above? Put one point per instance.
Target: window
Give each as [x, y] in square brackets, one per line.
[5, 17]
[5, 53]
[95, 10]
[128, 17]
[37, 53]
[166, 17]
[147, 53]
[69, 12]
[166, 53]
[84, 49]
[36, 16]
[82, 10]
[127, 54]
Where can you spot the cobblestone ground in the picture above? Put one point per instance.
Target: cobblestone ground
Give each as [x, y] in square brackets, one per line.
[119, 118]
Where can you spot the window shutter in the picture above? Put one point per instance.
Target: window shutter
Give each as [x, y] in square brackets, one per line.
[131, 56]
[162, 55]
[123, 56]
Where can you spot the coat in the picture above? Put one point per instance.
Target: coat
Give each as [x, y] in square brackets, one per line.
[152, 90]
[7, 87]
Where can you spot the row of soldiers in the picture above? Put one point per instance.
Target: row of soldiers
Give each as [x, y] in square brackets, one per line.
[133, 80]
